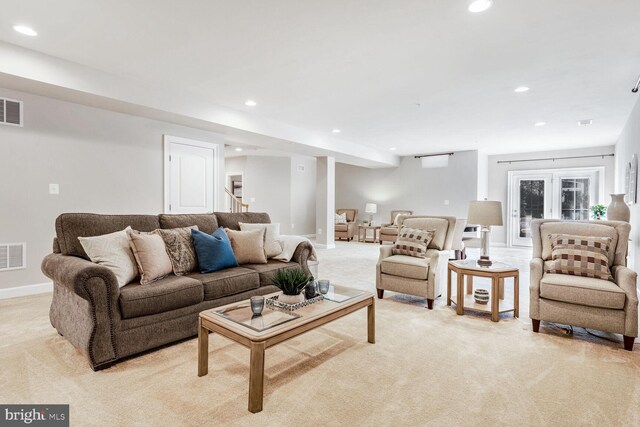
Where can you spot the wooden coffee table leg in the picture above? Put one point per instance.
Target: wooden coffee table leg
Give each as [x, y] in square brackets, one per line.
[516, 296]
[203, 350]
[256, 377]
[495, 301]
[371, 323]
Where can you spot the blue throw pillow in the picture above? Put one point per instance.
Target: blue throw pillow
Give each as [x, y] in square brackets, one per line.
[214, 251]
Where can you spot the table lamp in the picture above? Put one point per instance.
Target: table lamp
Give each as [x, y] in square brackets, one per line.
[485, 213]
[371, 208]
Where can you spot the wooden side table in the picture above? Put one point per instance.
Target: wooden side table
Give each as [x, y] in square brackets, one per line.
[362, 233]
[497, 272]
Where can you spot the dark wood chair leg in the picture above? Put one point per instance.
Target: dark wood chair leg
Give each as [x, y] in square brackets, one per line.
[380, 293]
[430, 304]
[536, 325]
[628, 342]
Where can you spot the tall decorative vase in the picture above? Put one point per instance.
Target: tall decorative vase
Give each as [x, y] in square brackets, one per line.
[618, 209]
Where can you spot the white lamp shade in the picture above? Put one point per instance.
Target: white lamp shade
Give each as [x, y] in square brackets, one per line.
[435, 161]
[371, 208]
[485, 212]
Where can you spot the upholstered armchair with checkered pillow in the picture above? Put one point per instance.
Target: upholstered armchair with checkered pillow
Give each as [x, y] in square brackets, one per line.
[416, 264]
[579, 276]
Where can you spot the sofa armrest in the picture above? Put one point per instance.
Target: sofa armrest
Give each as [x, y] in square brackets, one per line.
[385, 252]
[303, 253]
[536, 268]
[84, 308]
[627, 280]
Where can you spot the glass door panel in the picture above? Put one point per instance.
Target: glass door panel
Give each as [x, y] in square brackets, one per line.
[575, 198]
[531, 199]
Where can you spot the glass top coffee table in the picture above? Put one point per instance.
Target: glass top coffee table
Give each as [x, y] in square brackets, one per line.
[237, 322]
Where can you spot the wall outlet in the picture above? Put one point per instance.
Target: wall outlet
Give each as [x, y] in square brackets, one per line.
[54, 189]
[446, 203]
[252, 200]
[319, 230]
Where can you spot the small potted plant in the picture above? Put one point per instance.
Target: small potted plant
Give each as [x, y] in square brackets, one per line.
[291, 282]
[598, 211]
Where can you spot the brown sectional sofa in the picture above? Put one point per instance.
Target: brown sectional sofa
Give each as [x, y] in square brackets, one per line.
[108, 323]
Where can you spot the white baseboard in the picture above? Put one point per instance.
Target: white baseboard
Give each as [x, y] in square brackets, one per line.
[22, 291]
[321, 246]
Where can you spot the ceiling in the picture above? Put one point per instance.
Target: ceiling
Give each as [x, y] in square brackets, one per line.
[420, 76]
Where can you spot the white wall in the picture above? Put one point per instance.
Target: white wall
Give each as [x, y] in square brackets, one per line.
[104, 162]
[409, 186]
[275, 185]
[499, 182]
[629, 144]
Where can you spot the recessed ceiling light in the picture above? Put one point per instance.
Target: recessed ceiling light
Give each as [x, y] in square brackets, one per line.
[585, 122]
[336, 130]
[250, 103]
[538, 124]
[480, 6]
[238, 149]
[27, 31]
[521, 89]
[392, 149]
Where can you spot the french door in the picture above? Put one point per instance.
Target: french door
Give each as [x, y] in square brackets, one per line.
[563, 194]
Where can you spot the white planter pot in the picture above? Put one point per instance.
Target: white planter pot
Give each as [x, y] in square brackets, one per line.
[291, 299]
[618, 209]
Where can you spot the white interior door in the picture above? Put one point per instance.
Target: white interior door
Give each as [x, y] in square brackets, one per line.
[189, 176]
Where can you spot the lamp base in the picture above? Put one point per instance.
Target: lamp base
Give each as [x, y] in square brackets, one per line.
[484, 261]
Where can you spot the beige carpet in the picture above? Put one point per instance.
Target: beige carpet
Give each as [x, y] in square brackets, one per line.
[427, 368]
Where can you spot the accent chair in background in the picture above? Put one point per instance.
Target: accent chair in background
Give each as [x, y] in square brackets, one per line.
[346, 230]
[389, 232]
[606, 305]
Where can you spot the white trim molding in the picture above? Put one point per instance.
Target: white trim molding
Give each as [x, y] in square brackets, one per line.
[23, 291]
[321, 246]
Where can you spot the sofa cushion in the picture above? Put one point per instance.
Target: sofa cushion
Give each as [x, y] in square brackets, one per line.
[70, 226]
[180, 249]
[582, 290]
[389, 229]
[232, 220]
[342, 227]
[166, 294]
[406, 266]
[213, 250]
[440, 226]
[207, 223]
[229, 281]
[266, 271]
[580, 256]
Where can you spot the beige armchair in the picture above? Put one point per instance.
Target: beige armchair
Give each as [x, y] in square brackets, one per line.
[583, 301]
[423, 277]
[346, 231]
[389, 232]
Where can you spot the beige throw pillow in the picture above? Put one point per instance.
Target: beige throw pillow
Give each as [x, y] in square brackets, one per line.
[112, 251]
[248, 246]
[151, 256]
[412, 242]
[179, 245]
[341, 218]
[272, 246]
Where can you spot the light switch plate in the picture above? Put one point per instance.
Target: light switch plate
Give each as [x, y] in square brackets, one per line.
[54, 189]
[446, 203]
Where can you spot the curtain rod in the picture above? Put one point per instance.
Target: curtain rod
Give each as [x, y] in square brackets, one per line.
[432, 155]
[556, 158]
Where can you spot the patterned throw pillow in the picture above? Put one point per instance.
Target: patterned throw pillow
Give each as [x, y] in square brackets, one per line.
[341, 218]
[580, 256]
[180, 249]
[412, 242]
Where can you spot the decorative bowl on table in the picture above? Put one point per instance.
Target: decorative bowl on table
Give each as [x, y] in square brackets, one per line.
[481, 296]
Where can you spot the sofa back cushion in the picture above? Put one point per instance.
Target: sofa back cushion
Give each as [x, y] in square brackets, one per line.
[207, 223]
[70, 226]
[439, 226]
[232, 220]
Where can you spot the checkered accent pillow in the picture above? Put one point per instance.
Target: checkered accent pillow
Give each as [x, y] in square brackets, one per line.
[412, 242]
[580, 256]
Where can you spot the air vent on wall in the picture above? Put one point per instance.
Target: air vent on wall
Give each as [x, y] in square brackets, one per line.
[13, 256]
[10, 112]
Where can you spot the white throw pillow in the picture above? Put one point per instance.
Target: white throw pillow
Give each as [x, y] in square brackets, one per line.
[341, 218]
[272, 246]
[114, 252]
